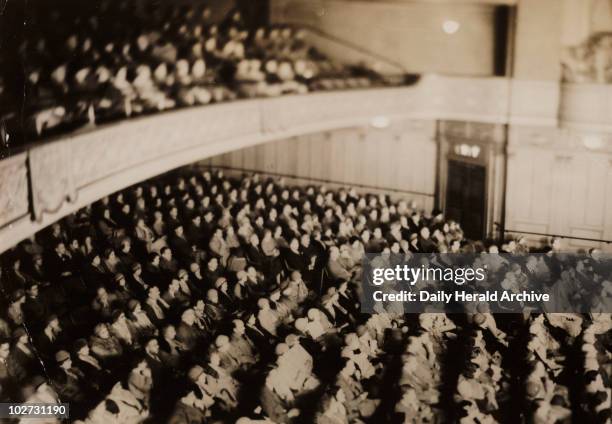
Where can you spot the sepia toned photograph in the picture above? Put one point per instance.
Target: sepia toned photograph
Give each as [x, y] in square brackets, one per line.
[306, 211]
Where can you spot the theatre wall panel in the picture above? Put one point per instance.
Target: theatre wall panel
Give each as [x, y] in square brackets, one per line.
[400, 159]
[556, 185]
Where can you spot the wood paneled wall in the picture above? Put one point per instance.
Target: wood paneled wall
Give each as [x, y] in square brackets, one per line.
[558, 186]
[399, 158]
[555, 185]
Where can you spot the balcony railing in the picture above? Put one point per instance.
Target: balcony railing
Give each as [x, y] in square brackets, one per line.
[57, 177]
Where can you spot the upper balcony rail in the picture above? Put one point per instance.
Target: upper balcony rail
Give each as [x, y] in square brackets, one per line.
[53, 178]
[56, 177]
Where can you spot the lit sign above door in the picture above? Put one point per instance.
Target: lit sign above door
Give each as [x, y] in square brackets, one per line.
[467, 150]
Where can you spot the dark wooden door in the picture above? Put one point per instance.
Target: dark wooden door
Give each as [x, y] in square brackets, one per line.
[465, 197]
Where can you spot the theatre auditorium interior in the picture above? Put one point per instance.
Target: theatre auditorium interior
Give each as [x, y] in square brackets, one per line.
[188, 189]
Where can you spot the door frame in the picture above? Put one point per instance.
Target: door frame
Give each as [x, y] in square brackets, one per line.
[483, 211]
[490, 139]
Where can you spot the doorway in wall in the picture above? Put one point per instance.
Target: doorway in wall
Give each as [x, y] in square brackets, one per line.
[466, 197]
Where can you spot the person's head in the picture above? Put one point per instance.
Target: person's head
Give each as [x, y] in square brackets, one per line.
[136, 269]
[153, 292]
[5, 349]
[294, 244]
[215, 359]
[238, 326]
[141, 366]
[53, 323]
[63, 359]
[334, 253]
[134, 306]
[188, 317]
[263, 304]
[365, 236]
[60, 248]
[33, 291]
[20, 336]
[126, 245]
[483, 307]
[313, 314]
[178, 230]
[140, 223]
[213, 263]
[169, 332]
[152, 347]
[218, 233]
[455, 246]
[212, 296]
[351, 341]
[101, 330]
[278, 231]
[154, 259]
[296, 276]
[74, 244]
[118, 316]
[221, 284]
[81, 347]
[166, 253]
[102, 293]
[174, 286]
[377, 233]
[183, 275]
[119, 280]
[424, 233]
[109, 255]
[222, 342]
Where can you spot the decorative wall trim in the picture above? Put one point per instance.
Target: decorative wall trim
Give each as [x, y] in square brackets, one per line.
[534, 102]
[586, 107]
[51, 176]
[13, 188]
[566, 140]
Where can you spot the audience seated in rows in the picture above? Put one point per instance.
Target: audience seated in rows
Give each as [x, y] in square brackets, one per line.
[195, 297]
[104, 61]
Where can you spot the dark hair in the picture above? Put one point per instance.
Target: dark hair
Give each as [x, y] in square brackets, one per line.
[58, 376]
[557, 400]
[603, 416]
[590, 376]
[111, 406]
[187, 388]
